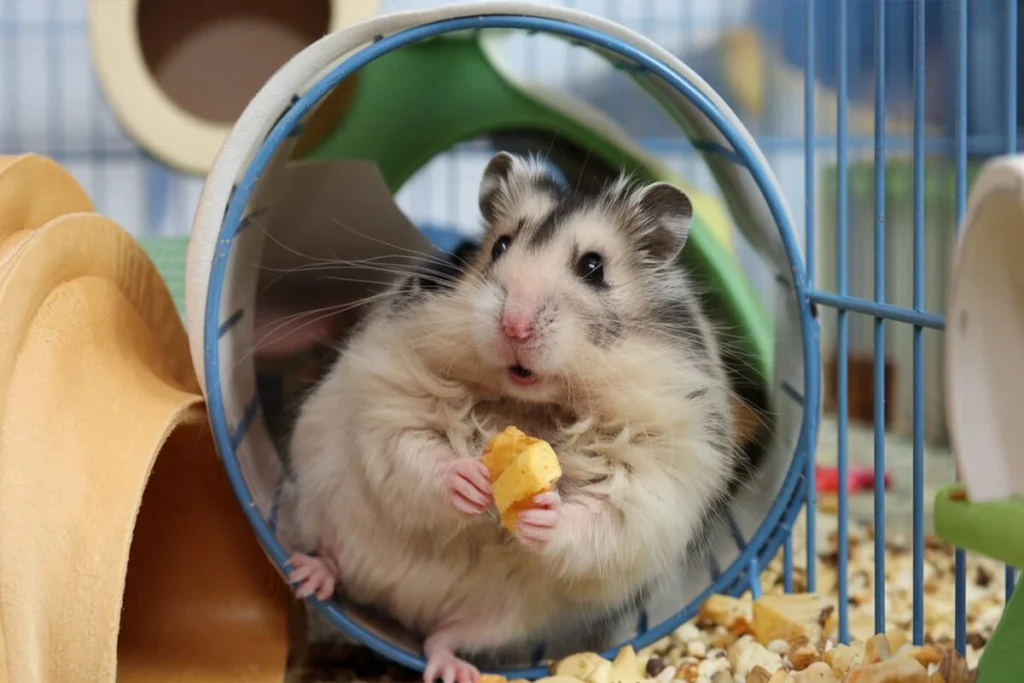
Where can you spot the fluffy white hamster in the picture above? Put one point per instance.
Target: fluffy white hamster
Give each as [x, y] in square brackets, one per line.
[573, 322]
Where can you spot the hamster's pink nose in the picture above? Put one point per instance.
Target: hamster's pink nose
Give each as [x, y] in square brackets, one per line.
[517, 328]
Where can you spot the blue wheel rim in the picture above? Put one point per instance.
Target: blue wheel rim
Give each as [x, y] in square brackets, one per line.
[776, 526]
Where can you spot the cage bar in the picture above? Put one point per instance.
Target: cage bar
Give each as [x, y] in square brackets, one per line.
[809, 225]
[842, 322]
[879, 338]
[960, 590]
[918, 417]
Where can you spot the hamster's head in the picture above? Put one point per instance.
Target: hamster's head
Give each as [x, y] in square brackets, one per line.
[562, 277]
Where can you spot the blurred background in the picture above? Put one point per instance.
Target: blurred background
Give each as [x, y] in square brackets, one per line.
[754, 52]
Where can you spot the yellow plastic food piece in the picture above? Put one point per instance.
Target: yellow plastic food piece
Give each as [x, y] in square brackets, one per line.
[521, 467]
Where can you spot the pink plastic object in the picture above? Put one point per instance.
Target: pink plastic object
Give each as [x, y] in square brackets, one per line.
[827, 479]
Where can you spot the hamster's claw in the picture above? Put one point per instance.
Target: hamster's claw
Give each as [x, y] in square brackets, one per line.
[313, 575]
[450, 669]
[467, 485]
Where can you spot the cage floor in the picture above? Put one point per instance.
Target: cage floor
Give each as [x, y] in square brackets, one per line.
[328, 661]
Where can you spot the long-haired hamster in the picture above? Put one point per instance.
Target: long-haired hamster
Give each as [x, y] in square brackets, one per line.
[571, 321]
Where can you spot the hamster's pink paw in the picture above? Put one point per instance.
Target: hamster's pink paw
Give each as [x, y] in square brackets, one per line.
[536, 526]
[446, 666]
[467, 485]
[313, 575]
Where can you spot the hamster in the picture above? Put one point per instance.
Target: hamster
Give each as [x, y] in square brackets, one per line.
[571, 321]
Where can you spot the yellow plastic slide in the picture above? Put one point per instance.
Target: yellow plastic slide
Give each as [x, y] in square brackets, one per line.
[123, 552]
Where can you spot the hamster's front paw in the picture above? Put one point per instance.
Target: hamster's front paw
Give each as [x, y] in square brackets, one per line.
[536, 525]
[467, 485]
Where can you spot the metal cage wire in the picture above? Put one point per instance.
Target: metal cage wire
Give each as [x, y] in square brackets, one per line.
[42, 43]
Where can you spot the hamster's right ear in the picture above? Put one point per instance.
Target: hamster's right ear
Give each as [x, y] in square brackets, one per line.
[494, 185]
[665, 212]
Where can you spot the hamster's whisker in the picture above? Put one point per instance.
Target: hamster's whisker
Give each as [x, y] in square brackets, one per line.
[446, 331]
[567, 378]
[339, 262]
[269, 335]
[414, 267]
[258, 222]
[284, 272]
[398, 271]
[335, 265]
[339, 278]
[388, 244]
[456, 357]
[649, 326]
[356, 280]
[447, 262]
[414, 262]
[333, 309]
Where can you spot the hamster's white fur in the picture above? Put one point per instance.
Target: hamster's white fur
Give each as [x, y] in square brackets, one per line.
[628, 388]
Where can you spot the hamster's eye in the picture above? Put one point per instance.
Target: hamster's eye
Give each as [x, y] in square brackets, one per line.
[590, 268]
[500, 246]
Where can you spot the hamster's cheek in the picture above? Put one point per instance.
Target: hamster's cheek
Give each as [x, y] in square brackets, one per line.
[559, 343]
[486, 310]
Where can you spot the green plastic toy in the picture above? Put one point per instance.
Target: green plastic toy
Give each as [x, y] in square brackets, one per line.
[413, 104]
[169, 255]
[994, 529]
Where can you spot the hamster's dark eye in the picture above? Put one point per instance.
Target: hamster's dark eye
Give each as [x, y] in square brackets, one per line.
[500, 246]
[590, 268]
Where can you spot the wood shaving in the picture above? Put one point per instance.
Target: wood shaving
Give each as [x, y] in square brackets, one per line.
[794, 638]
[781, 638]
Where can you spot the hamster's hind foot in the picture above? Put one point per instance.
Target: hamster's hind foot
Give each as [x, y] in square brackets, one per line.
[314, 576]
[443, 664]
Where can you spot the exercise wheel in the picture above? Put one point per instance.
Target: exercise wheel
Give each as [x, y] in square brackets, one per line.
[253, 167]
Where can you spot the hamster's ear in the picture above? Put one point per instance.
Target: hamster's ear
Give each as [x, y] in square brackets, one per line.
[664, 212]
[494, 185]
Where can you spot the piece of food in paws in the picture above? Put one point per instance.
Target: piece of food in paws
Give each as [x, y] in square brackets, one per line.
[511, 516]
[535, 471]
[521, 467]
[503, 449]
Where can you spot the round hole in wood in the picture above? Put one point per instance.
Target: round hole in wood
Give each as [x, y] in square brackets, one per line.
[212, 56]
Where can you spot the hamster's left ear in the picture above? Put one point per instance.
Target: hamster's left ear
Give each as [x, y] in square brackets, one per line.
[664, 214]
[494, 186]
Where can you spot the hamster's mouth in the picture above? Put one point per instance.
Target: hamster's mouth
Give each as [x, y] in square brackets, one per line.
[521, 376]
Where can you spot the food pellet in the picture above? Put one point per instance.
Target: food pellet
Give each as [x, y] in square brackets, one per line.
[655, 665]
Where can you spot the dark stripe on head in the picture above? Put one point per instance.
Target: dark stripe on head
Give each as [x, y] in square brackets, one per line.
[511, 185]
[549, 185]
[556, 219]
